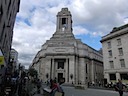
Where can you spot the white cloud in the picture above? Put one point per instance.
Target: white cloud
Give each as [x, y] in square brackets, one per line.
[78, 30]
[102, 13]
[126, 20]
[95, 34]
[37, 21]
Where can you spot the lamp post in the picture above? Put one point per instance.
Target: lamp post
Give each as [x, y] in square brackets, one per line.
[71, 76]
[47, 75]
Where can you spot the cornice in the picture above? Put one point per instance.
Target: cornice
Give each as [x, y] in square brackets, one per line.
[111, 35]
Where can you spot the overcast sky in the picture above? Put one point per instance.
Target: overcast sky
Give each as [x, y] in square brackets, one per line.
[92, 19]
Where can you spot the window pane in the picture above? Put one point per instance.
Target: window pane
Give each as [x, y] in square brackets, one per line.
[112, 76]
[119, 41]
[120, 51]
[122, 62]
[109, 44]
[63, 20]
[124, 76]
[111, 64]
[61, 65]
[110, 53]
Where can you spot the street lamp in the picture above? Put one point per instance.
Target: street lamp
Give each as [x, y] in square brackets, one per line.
[47, 75]
[71, 76]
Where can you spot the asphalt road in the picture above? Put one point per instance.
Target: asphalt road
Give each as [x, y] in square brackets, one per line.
[70, 91]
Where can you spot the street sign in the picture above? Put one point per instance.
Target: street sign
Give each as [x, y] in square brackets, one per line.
[1, 60]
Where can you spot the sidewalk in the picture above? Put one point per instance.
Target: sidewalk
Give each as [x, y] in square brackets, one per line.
[101, 87]
[38, 95]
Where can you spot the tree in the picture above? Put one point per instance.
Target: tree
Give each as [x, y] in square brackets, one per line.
[32, 72]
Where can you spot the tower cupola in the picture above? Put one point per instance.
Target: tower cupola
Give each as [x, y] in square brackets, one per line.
[64, 21]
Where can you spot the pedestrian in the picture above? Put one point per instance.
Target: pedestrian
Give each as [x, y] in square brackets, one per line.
[99, 83]
[48, 82]
[53, 87]
[93, 83]
[120, 87]
[38, 85]
[57, 89]
[51, 83]
[2, 79]
[62, 80]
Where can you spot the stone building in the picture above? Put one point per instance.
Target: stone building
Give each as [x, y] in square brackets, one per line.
[14, 59]
[63, 56]
[115, 54]
[8, 11]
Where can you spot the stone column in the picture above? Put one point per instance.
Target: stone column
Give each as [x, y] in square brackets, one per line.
[82, 71]
[76, 70]
[72, 69]
[39, 68]
[117, 76]
[66, 71]
[69, 24]
[53, 69]
[77, 67]
[58, 24]
[92, 71]
[106, 75]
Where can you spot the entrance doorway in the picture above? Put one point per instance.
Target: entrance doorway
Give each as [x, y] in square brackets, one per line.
[60, 76]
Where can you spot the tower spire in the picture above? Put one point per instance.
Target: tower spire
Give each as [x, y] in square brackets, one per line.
[64, 25]
[64, 21]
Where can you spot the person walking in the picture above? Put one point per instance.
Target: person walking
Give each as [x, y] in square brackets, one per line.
[2, 80]
[57, 89]
[120, 87]
[53, 87]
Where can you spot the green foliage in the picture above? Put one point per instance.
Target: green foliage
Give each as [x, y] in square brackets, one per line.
[33, 72]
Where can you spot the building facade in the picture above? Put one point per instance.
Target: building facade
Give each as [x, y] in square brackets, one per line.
[115, 54]
[8, 11]
[14, 59]
[63, 56]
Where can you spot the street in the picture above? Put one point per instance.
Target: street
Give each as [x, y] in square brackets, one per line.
[70, 91]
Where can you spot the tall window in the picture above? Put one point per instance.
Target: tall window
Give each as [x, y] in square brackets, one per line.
[111, 64]
[124, 76]
[86, 68]
[110, 53]
[64, 24]
[119, 41]
[63, 21]
[61, 65]
[112, 76]
[109, 44]
[122, 62]
[120, 51]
